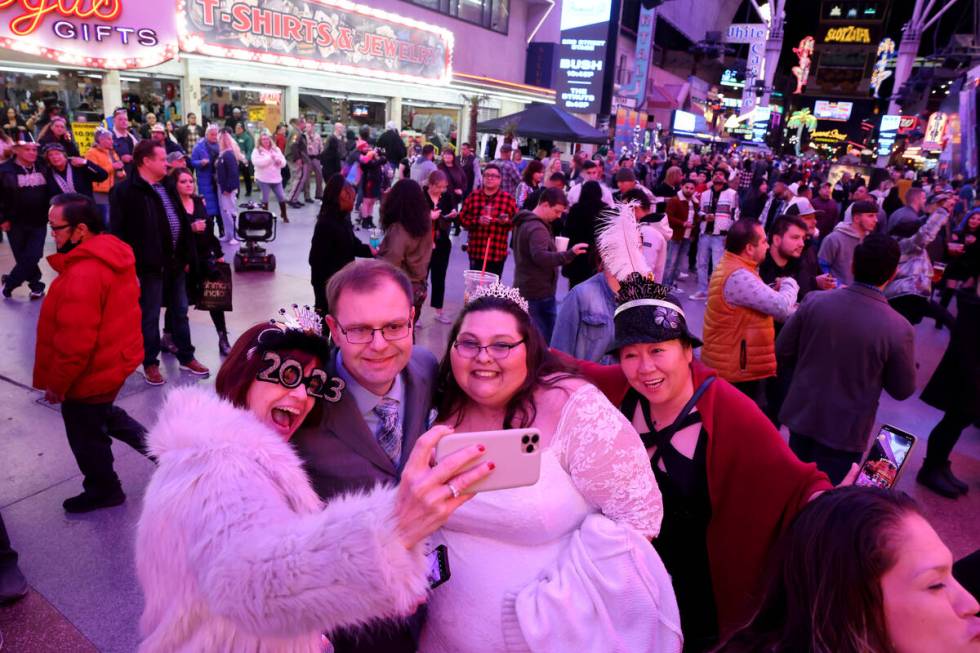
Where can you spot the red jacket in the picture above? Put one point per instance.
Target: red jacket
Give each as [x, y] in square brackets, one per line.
[756, 484]
[88, 335]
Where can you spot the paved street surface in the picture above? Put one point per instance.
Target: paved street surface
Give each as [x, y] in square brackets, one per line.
[84, 593]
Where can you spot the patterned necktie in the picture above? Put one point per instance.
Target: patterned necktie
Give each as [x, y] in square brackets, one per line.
[389, 435]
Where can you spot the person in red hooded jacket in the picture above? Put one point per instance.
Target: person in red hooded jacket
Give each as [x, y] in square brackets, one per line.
[88, 341]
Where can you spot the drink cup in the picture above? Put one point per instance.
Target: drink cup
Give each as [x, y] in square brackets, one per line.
[561, 243]
[473, 279]
[375, 237]
[938, 270]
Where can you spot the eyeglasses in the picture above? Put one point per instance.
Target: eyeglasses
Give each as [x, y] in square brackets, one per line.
[497, 350]
[491, 175]
[59, 227]
[361, 335]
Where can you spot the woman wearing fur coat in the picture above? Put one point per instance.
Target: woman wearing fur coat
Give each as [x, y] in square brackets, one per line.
[235, 551]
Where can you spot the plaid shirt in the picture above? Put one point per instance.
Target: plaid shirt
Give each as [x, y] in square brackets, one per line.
[744, 179]
[510, 176]
[503, 208]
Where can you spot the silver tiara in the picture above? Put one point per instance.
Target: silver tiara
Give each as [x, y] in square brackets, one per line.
[497, 289]
[299, 318]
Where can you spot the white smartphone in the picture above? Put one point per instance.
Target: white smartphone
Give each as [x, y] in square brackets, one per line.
[516, 454]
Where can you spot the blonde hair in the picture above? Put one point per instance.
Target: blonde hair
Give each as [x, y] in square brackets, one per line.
[226, 142]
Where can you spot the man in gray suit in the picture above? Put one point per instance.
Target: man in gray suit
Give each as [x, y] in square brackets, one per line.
[378, 406]
[845, 346]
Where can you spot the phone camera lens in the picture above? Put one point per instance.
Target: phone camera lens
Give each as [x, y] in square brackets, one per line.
[525, 439]
[530, 448]
[534, 439]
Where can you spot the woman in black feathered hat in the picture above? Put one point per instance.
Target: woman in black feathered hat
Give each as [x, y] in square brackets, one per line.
[730, 483]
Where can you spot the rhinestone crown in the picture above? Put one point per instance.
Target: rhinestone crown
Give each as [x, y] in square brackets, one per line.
[299, 318]
[497, 289]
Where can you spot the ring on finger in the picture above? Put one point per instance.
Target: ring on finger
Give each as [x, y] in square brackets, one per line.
[452, 488]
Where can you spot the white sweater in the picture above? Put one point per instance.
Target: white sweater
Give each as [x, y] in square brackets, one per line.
[268, 164]
[235, 551]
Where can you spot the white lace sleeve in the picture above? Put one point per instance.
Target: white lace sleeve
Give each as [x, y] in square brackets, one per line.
[605, 457]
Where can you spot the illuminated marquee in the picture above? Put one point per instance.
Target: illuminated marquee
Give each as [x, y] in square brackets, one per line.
[849, 34]
[330, 35]
[804, 53]
[829, 135]
[93, 33]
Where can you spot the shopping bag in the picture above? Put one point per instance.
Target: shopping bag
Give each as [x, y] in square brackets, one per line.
[216, 289]
[354, 175]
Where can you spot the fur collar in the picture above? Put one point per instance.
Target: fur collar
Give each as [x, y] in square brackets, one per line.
[196, 419]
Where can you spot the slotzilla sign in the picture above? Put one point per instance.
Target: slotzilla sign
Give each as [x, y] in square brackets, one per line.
[331, 35]
[92, 33]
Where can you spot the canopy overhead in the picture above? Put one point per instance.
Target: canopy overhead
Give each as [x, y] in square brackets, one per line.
[545, 122]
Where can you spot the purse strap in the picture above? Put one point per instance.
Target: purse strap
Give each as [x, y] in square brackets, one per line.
[660, 438]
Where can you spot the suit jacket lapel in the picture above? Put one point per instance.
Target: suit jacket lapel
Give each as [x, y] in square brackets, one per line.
[344, 420]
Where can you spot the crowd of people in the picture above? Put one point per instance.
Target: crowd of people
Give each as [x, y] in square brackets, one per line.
[298, 504]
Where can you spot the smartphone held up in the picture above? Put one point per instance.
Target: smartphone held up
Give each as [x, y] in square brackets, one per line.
[887, 457]
[516, 454]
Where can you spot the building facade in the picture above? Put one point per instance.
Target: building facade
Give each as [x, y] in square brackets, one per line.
[419, 63]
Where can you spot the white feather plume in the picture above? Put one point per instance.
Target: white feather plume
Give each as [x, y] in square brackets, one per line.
[619, 243]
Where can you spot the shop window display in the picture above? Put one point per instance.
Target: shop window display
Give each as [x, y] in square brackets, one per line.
[261, 106]
[354, 113]
[436, 125]
[33, 97]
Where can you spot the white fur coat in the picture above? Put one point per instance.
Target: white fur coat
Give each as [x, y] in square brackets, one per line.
[235, 551]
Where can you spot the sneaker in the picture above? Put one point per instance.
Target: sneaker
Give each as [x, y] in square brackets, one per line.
[934, 479]
[152, 375]
[194, 367]
[309, 201]
[960, 486]
[167, 344]
[682, 275]
[87, 502]
[37, 294]
[234, 242]
[442, 317]
[699, 296]
[13, 586]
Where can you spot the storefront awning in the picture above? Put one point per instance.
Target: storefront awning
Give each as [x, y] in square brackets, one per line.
[545, 122]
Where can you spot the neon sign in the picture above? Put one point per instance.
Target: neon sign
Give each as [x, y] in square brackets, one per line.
[886, 52]
[834, 135]
[849, 34]
[331, 35]
[93, 33]
[804, 53]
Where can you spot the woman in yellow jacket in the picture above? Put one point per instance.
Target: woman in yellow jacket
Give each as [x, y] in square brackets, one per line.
[103, 154]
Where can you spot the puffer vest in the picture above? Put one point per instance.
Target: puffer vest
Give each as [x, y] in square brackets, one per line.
[739, 342]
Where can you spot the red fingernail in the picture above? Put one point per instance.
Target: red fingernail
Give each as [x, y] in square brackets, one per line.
[481, 448]
[491, 466]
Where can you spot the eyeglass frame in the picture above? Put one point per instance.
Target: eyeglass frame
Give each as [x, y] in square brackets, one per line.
[346, 331]
[55, 229]
[510, 346]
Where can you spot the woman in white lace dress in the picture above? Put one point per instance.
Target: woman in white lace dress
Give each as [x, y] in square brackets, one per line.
[565, 564]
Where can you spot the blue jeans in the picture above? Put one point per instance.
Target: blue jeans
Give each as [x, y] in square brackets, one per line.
[543, 313]
[709, 246]
[157, 291]
[27, 246]
[676, 252]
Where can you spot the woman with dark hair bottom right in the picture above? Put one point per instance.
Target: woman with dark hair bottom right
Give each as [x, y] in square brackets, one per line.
[861, 571]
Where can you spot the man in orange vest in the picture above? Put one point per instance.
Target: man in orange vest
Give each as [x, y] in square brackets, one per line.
[739, 336]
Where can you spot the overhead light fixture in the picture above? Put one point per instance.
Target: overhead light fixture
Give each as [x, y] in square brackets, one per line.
[28, 71]
[255, 89]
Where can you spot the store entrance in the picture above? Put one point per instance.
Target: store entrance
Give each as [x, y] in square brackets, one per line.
[355, 113]
[260, 106]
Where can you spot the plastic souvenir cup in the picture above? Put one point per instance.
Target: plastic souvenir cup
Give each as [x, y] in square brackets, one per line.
[561, 243]
[473, 279]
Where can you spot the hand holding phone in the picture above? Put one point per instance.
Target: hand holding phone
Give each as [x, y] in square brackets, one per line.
[516, 454]
[889, 452]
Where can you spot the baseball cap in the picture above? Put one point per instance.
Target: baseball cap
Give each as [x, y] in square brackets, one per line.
[625, 174]
[173, 157]
[557, 150]
[506, 147]
[51, 147]
[801, 207]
